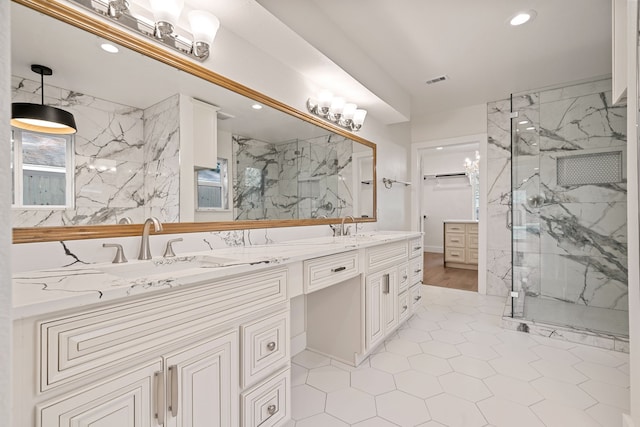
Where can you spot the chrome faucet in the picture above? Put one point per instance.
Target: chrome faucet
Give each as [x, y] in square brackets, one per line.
[344, 232]
[145, 250]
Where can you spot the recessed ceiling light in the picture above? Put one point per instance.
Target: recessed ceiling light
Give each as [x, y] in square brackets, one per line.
[439, 148]
[523, 122]
[256, 107]
[108, 47]
[522, 18]
[531, 128]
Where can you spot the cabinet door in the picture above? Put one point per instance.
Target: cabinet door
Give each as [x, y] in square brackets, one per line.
[390, 299]
[381, 305]
[130, 400]
[202, 384]
[374, 328]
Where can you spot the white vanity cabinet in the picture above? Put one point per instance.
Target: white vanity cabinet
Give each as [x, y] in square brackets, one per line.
[381, 310]
[187, 355]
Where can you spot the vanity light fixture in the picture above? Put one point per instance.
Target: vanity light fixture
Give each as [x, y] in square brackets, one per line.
[337, 110]
[163, 27]
[40, 117]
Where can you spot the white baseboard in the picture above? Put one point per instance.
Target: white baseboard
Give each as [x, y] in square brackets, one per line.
[298, 343]
[627, 421]
[435, 249]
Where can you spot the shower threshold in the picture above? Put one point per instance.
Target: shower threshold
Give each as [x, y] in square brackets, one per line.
[584, 330]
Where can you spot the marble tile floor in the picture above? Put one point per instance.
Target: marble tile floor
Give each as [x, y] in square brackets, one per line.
[452, 365]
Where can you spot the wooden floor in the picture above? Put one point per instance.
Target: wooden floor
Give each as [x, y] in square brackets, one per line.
[436, 274]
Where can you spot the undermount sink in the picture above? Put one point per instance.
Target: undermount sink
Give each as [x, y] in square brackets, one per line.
[164, 265]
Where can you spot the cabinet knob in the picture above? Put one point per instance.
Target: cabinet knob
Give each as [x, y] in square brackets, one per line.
[404, 308]
[419, 270]
[418, 298]
[405, 277]
[272, 409]
[271, 346]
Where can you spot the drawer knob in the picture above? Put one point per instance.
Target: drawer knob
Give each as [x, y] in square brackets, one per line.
[405, 277]
[417, 248]
[335, 270]
[418, 298]
[404, 308]
[271, 346]
[271, 409]
[419, 270]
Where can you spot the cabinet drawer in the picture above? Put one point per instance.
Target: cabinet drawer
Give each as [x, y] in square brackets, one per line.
[415, 296]
[269, 403]
[415, 247]
[403, 277]
[265, 347]
[472, 241]
[404, 306]
[75, 345]
[416, 271]
[322, 272]
[472, 256]
[127, 400]
[454, 240]
[454, 255]
[387, 255]
[472, 228]
[454, 228]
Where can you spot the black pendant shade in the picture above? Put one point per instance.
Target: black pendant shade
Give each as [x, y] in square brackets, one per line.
[40, 117]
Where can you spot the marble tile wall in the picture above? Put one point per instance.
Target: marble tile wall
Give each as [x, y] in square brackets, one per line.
[569, 240]
[299, 179]
[126, 160]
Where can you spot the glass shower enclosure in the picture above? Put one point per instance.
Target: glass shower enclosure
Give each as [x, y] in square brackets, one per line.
[568, 209]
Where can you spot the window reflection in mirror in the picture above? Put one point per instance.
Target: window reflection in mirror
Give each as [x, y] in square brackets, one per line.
[212, 187]
[42, 169]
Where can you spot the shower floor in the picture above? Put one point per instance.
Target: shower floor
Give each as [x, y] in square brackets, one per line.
[595, 319]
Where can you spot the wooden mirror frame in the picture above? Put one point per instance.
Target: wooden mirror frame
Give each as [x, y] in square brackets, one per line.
[102, 29]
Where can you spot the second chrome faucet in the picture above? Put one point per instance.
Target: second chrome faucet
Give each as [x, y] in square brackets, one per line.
[145, 250]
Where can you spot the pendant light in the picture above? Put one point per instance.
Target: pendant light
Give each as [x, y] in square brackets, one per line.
[40, 117]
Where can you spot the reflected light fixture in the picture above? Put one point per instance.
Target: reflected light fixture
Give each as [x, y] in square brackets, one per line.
[337, 110]
[163, 27]
[40, 117]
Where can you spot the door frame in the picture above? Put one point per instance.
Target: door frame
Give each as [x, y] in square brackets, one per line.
[417, 149]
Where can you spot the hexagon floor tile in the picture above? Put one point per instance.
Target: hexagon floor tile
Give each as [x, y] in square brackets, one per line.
[455, 368]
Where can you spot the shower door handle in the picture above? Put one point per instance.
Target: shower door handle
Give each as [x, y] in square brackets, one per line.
[509, 219]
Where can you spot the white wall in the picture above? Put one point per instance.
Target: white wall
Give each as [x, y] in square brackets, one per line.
[633, 206]
[444, 198]
[448, 124]
[5, 220]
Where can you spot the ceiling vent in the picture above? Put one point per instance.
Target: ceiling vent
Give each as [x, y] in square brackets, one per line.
[437, 79]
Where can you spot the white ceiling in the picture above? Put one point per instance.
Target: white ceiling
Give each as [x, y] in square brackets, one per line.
[410, 41]
[378, 53]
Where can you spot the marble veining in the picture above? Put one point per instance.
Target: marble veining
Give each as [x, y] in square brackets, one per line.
[126, 159]
[570, 241]
[294, 179]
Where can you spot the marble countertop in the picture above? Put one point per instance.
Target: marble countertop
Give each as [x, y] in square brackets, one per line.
[45, 291]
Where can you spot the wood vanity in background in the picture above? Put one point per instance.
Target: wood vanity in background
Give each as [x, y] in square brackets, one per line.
[461, 244]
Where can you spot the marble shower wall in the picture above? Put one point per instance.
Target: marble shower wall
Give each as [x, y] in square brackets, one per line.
[119, 165]
[299, 179]
[569, 240]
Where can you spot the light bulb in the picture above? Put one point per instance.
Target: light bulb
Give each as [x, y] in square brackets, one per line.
[337, 105]
[204, 26]
[358, 117]
[349, 110]
[166, 10]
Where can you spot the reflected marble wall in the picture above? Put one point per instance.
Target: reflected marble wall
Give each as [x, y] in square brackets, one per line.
[291, 180]
[126, 162]
[569, 240]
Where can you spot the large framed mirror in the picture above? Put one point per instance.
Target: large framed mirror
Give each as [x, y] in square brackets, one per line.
[160, 135]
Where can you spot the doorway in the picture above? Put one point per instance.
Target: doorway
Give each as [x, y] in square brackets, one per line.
[449, 211]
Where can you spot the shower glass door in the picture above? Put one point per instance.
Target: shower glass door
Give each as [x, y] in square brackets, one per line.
[568, 208]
